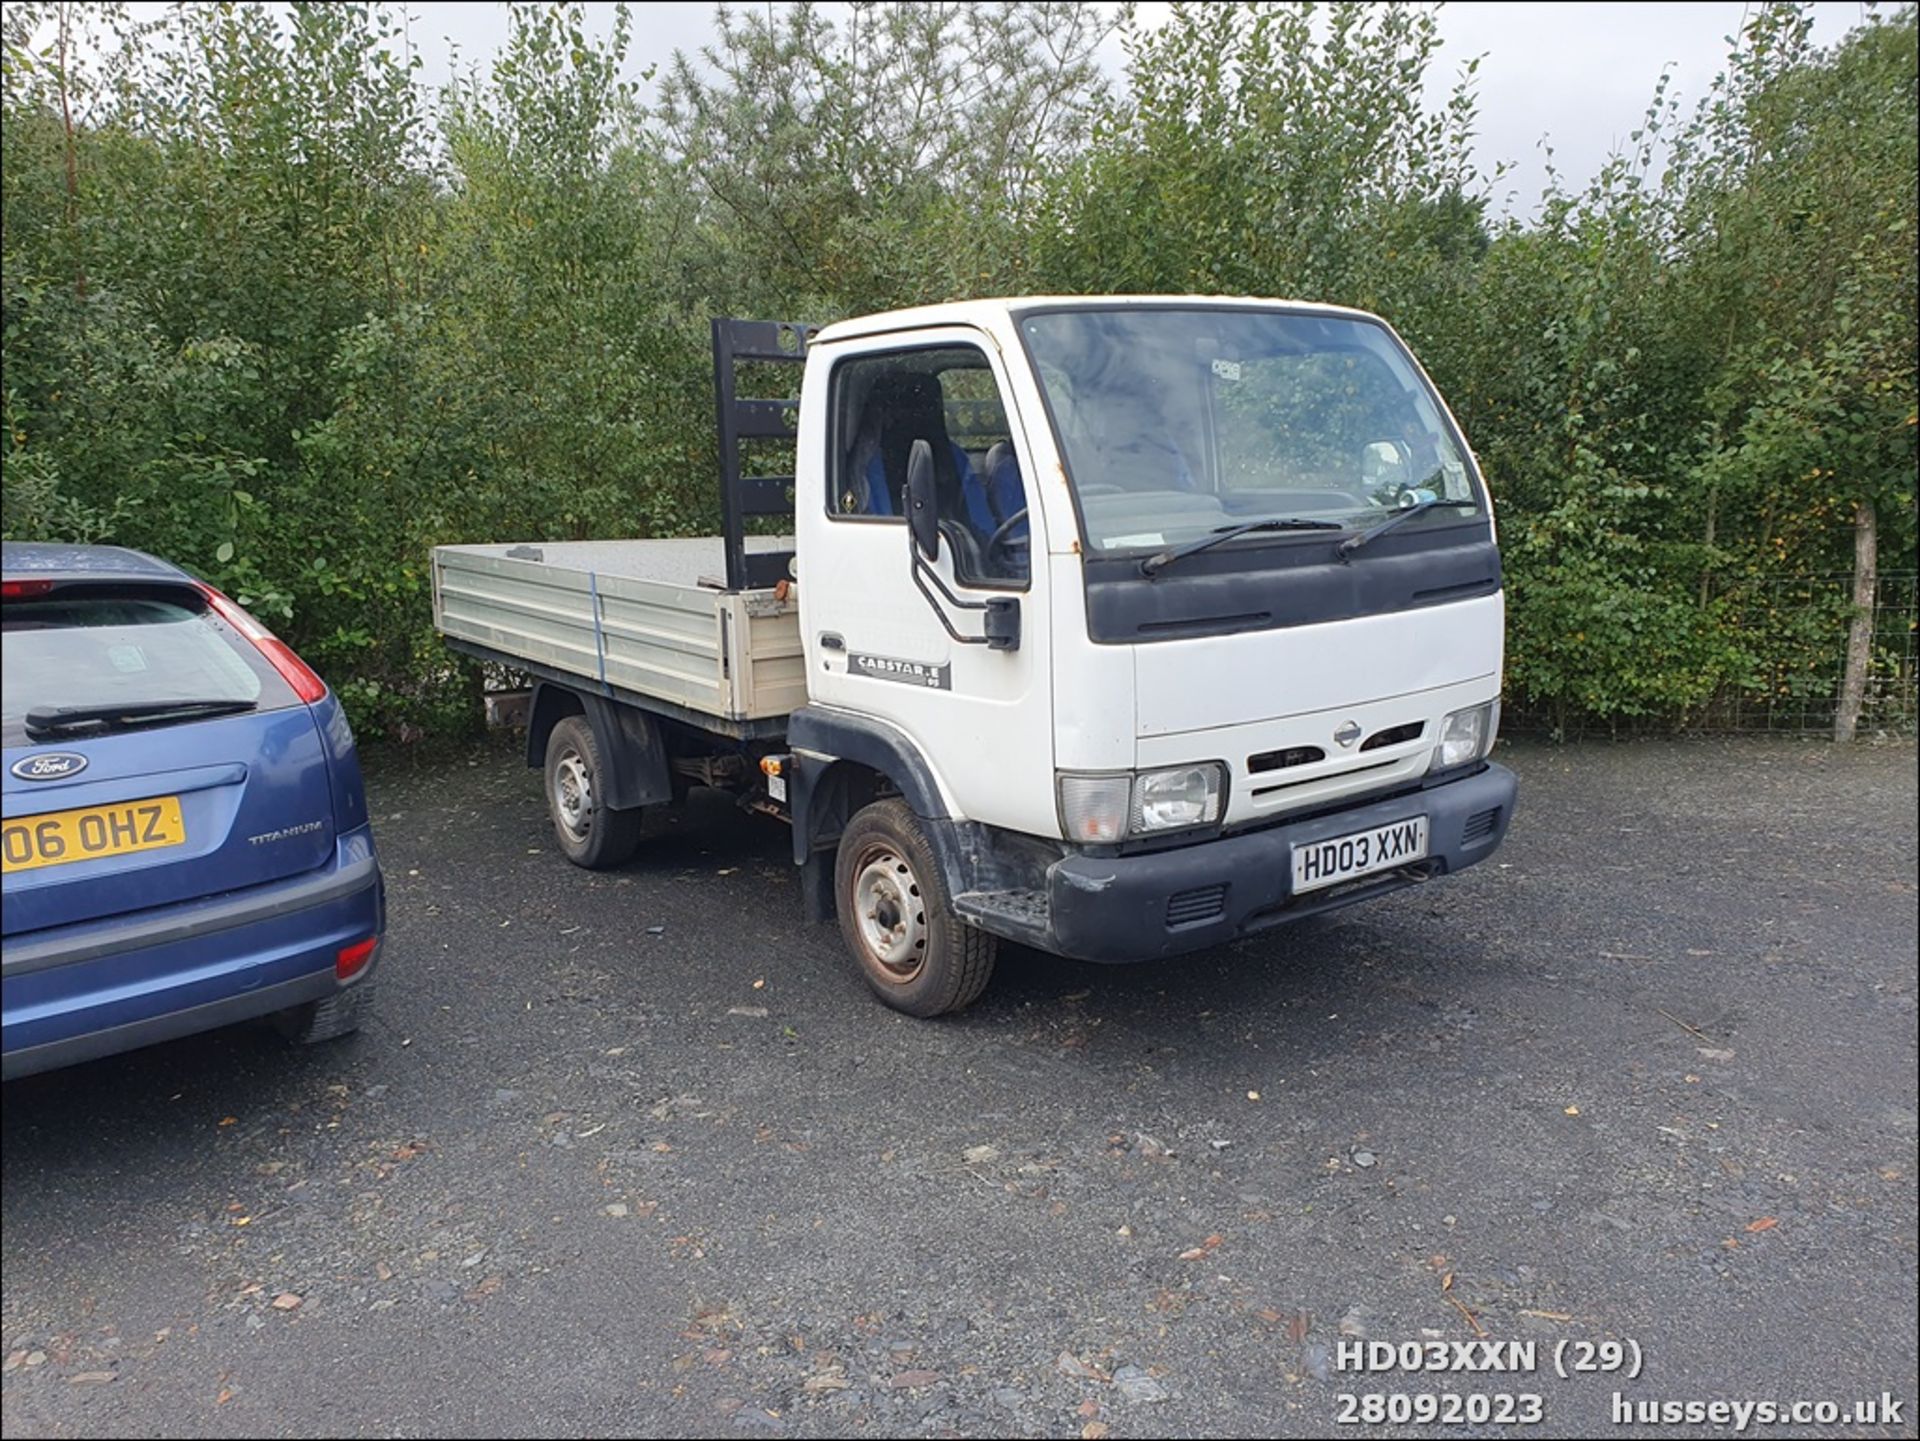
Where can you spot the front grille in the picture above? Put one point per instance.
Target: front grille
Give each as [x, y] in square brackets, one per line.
[1202, 903]
[1387, 764]
[1393, 736]
[1280, 760]
[1480, 825]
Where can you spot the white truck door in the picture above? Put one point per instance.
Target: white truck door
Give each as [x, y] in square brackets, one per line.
[875, 645]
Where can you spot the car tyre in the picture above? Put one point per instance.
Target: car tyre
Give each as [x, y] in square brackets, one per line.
[340, 1014]
[591, 835]
[911, 946]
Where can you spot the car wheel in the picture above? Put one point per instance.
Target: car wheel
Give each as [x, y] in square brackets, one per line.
[912, 948]
[340, 1014]
[590, 834]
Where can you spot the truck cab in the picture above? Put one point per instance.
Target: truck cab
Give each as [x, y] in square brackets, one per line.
[1205, 633]
[1113, 626]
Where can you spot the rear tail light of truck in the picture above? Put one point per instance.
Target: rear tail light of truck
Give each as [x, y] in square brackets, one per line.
[294, 671]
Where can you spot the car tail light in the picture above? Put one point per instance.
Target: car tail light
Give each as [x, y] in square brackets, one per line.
[296, 672]
[24, 589]
[353, 959]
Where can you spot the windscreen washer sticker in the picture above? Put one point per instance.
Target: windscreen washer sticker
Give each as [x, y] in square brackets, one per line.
[906, 672]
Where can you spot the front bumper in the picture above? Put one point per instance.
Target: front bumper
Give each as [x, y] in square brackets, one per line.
[73, 993]
[1139, 907]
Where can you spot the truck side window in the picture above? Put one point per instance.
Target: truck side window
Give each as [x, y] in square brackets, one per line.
[947, 397]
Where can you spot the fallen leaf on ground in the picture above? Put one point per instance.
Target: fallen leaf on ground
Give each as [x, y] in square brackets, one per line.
[287, 1301]
[90, 1378]
[910, 1380]
[1547, 1315]
[1765, 1223]
[1093, 1431]
[1573, 1110]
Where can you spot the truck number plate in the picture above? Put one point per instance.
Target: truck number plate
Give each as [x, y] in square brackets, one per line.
[1325, 863]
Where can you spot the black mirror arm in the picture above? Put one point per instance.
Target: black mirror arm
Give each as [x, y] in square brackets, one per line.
[1000, 629]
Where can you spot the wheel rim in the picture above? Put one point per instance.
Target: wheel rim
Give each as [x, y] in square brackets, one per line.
[890, 914]
[573, 795]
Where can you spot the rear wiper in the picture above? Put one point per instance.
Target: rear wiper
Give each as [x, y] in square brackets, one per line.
[50, 720]
[1353, 542]
[1225, 533]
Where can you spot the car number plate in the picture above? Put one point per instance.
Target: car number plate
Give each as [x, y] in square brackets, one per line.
[63, 837]
[1324, 863]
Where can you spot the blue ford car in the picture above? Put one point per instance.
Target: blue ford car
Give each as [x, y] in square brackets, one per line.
[185, 832]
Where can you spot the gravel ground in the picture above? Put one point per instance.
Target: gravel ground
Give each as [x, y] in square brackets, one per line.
[634, 1153]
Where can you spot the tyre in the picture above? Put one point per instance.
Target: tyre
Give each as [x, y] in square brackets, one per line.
[589, 833]
[340, 1014]
[898, 920]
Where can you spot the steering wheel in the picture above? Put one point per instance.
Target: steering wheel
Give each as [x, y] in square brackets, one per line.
[1005, 529]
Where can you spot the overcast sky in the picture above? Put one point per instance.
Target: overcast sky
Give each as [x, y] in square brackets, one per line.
[1578, 75]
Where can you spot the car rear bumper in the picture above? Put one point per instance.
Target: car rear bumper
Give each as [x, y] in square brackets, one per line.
[1133, 908]
[72, 993]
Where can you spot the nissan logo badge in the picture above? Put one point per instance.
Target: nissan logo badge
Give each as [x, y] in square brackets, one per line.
[1348, 733]
[49, 766]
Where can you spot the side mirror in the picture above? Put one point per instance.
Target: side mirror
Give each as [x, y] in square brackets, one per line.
[923, 514]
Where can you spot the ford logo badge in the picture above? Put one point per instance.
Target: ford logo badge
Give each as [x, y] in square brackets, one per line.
[49, 766]
[1348, 733]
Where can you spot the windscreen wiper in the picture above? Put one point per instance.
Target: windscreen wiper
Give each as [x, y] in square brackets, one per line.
[51, 720]
[1155, 563]
[1353, 542]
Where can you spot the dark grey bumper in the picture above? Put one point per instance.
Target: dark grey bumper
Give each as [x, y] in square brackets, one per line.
[1135, 908]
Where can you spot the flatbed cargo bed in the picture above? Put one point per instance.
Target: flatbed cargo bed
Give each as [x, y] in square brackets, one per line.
[645, 618]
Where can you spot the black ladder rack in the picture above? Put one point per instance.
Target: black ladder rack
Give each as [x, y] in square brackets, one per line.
[753, 341]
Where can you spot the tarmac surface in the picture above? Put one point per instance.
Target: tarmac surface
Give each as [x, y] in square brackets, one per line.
[636, 1153]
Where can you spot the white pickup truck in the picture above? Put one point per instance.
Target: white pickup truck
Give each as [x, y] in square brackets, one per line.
[1112, 626]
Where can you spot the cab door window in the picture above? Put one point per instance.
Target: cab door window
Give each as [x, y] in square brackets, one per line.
[947, 397]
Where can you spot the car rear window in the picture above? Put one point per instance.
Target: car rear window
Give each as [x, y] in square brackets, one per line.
[87, 647]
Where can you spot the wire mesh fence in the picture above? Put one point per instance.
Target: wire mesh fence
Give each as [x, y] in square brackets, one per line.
[1796, 630]
[1799, 628]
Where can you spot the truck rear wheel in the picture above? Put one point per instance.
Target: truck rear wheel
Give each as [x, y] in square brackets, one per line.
[898, 920]
[590, 834]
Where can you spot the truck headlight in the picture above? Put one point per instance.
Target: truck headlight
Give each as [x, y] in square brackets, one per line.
[1466, 736]
[1172, 800]
[1105, 809]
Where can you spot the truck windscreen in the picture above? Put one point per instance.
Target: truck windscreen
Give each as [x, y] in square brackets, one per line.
[1178, 423]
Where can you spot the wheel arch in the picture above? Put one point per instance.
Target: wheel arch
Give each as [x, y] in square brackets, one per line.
[633, 747]
[841, 763]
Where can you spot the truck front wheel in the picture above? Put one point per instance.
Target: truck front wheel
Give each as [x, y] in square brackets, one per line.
[590, 834]
[898, 920]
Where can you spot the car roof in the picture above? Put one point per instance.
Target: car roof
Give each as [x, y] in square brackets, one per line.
[41, 560]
